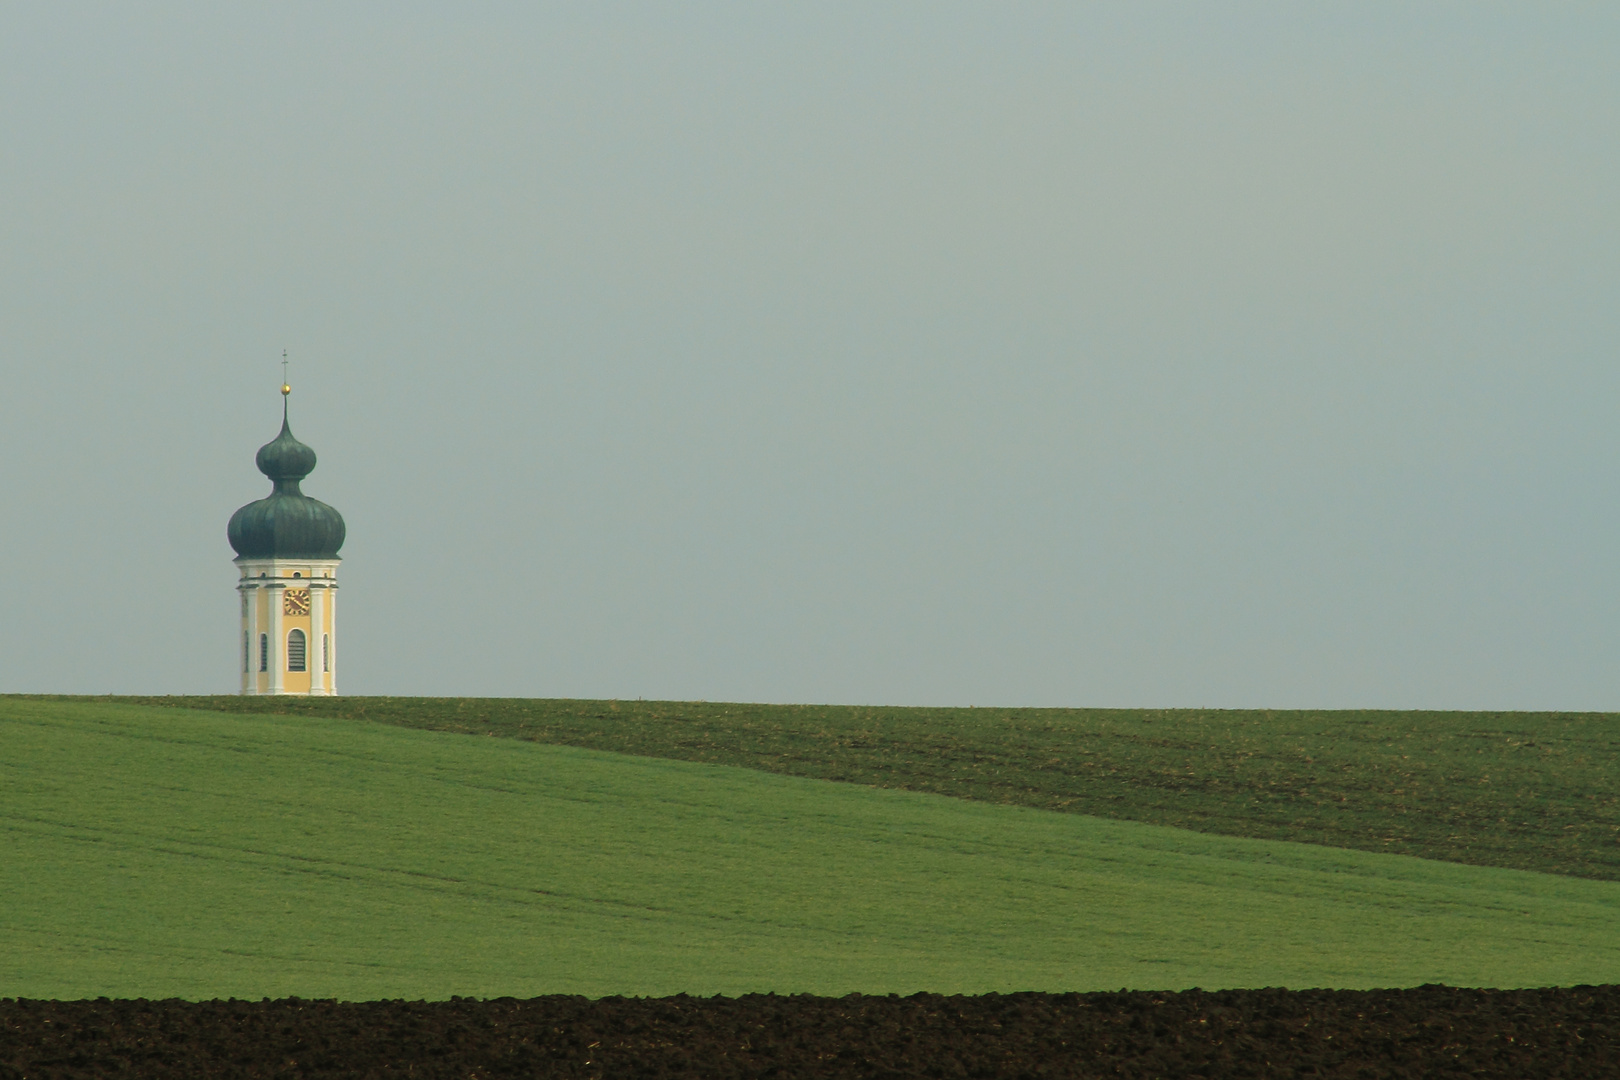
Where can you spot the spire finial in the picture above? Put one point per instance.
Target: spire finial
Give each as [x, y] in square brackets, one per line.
[286, 388]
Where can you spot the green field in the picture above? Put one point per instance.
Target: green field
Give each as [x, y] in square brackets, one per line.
[1533, 791]
[158, 852]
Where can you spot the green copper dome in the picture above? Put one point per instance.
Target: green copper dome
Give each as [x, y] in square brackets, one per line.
[287, 523]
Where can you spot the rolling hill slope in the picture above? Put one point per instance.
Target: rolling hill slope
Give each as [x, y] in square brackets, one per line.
[1532, 791]
[176, 852]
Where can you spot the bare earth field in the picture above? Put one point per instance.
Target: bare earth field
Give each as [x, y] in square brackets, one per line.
[1430, 1031]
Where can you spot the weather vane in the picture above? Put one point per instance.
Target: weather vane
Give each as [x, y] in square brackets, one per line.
[286, 387]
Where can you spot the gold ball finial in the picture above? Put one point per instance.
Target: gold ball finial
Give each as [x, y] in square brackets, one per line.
[285, 389]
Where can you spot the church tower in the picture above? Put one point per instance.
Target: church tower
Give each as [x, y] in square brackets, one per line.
[287, 551]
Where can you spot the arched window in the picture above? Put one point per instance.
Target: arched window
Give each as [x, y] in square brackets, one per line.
[295, 650]
[264, 652]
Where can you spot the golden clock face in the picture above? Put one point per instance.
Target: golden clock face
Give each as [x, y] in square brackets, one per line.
[295, 602]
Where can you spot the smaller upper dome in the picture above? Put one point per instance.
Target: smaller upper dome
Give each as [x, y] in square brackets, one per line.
[284, 457]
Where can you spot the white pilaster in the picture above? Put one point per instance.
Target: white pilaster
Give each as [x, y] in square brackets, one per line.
[331, 630]
[245, 632]
[278, 648]
[261, 626]
[312, 649]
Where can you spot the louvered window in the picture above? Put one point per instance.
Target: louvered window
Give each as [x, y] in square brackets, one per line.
[295, 650]
[264, 652]
[246, 655]
[326, 652]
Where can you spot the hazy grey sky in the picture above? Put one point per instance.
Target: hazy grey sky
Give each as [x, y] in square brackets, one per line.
[1045, 354]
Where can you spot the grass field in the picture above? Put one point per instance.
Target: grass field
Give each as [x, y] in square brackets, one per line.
[157, 852]
[1534, 791]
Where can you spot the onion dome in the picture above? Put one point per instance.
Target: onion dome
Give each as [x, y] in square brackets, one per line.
[287, 523]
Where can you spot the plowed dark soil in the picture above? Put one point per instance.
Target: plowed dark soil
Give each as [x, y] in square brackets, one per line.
[1431, 1031]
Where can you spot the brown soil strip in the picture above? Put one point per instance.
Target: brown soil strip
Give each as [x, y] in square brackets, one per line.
[1431, 1031]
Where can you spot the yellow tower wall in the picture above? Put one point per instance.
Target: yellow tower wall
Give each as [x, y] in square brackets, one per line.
[279, 596]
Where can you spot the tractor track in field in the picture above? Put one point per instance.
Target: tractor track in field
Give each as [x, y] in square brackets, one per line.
[1429, 1031]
